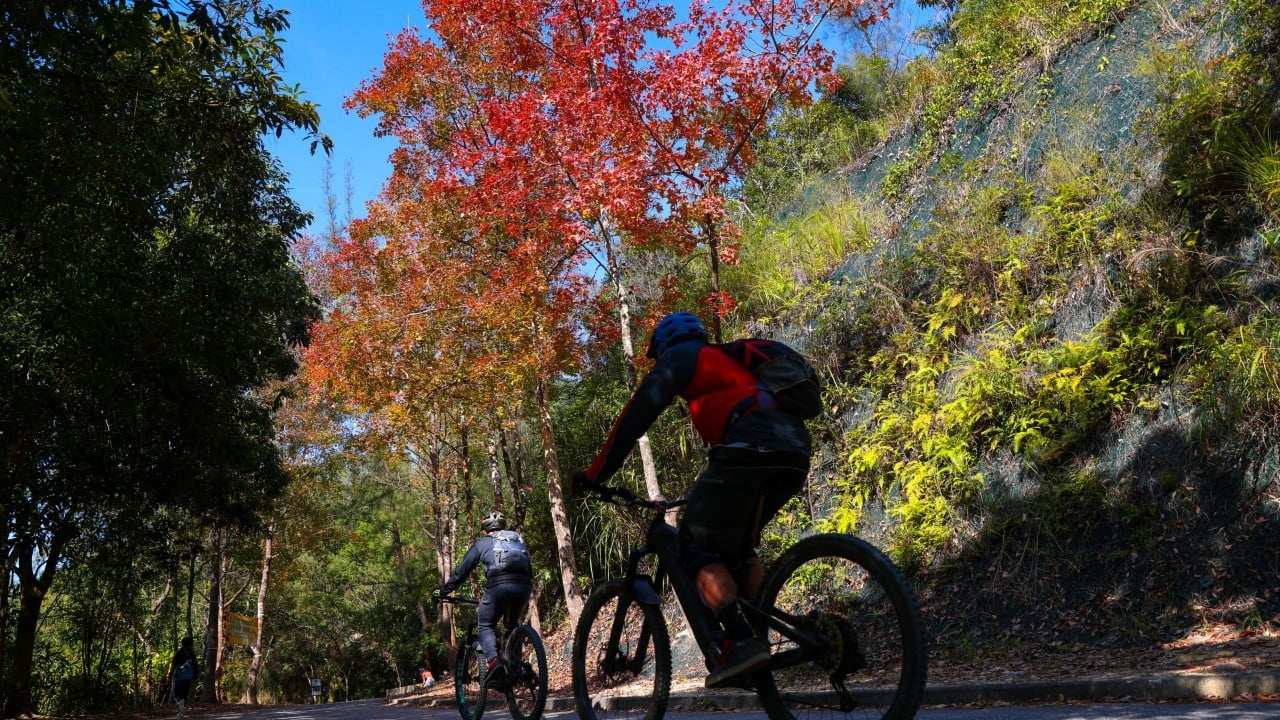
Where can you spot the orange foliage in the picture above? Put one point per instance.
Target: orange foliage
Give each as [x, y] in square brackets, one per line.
[533, 134]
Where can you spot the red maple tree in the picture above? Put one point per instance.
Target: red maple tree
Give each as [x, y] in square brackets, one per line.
[535, 137]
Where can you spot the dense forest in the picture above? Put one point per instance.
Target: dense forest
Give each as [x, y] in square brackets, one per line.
[1031, 246]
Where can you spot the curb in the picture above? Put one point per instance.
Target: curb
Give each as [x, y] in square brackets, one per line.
[1169, 686]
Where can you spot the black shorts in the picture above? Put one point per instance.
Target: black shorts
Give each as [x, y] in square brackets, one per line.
[735, 496]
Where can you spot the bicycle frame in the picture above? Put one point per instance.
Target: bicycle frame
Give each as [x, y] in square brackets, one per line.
[506, 624]
[662, 541]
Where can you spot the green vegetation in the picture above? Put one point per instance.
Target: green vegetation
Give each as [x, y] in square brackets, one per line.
[149, 303]
[965, 347]
[994, 42]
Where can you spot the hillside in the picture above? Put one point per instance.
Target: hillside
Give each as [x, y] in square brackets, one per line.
[1056, 355]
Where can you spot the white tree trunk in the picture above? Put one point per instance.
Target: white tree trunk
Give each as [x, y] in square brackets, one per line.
[255, 666]
[573, 595]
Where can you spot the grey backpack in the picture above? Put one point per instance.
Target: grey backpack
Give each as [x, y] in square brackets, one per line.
[510, 554]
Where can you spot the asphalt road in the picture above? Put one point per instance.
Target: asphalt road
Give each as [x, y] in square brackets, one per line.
[377, 710]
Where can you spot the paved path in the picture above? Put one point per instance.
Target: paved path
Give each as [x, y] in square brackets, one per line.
[377, 710]
[358, 710]
[1162, 687]
[1159, 687]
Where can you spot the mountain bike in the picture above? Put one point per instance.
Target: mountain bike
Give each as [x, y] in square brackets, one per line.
[520, 647]
[844, 630]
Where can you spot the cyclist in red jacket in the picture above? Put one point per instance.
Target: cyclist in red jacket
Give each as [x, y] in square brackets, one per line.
[758, 458]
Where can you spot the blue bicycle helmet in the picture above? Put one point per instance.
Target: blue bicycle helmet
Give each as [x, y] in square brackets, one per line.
[672, 328]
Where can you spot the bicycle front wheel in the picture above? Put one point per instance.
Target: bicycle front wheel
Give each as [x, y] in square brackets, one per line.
[621, 657]
[845, 632]
[527, 668]
[468, 680]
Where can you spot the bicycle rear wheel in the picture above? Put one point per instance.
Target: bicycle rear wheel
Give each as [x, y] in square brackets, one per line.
[857, 649]
[527, 670]
[468, 680]
[621, 657]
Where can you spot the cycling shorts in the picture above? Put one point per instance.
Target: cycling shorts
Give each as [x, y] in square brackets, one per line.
[737, 493]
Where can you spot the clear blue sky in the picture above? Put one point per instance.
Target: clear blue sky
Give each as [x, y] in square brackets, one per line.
[330, 47]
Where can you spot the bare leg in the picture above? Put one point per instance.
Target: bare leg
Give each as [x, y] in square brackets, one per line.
[716, 586]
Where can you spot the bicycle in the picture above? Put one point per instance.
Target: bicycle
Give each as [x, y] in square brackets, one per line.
[520, 647]
[844, 630]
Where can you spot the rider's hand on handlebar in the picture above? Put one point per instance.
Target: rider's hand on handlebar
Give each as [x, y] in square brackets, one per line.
[610, 492]
[583, 486]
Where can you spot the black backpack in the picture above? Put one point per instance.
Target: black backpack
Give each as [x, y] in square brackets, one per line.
[785, 373]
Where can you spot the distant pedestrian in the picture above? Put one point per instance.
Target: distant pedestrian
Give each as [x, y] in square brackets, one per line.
[183, 673]
[427, 679]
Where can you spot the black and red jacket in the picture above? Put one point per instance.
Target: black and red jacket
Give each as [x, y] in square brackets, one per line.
[725, 404]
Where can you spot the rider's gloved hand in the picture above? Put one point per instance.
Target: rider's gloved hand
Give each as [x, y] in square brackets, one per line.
[581, 485]
[435, 596]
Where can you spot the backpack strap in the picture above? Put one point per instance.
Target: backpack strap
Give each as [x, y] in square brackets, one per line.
[754, 353]
[748, 353]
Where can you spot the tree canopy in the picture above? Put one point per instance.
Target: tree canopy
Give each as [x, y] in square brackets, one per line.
[145, 272]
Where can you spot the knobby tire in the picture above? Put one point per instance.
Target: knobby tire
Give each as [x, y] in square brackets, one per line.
[527, 673]
[468, 681]
[855, 598]
[607, 686]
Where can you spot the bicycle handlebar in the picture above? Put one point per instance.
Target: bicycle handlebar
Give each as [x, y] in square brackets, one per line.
[456, 600]
[623, 496]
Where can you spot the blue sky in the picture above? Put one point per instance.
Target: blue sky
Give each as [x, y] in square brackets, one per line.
[330, 47]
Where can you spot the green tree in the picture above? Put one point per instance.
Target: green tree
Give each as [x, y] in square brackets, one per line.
[144, 276]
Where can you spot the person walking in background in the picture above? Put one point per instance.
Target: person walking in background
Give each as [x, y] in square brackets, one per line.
[182, 673]
[757, 459]
[508, 584]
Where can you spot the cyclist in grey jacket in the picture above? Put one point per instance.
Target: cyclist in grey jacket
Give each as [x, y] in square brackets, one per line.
[508, 583]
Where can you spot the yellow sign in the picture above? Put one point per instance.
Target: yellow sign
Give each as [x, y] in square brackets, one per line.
[239, 629]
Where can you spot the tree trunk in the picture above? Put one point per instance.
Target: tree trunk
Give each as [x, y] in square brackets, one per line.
[213, 623]
[7, 568]
[444, 520]
[220, 655]
[145, 633]
[647, 465]
[512, 452]
[33, 586]
[573, 595]
[495, 470]
[535, 617]
[717, 303]
[255, 666]
[646, 452]
[191, 594]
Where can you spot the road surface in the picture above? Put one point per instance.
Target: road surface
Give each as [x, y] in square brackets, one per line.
[377, 710]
